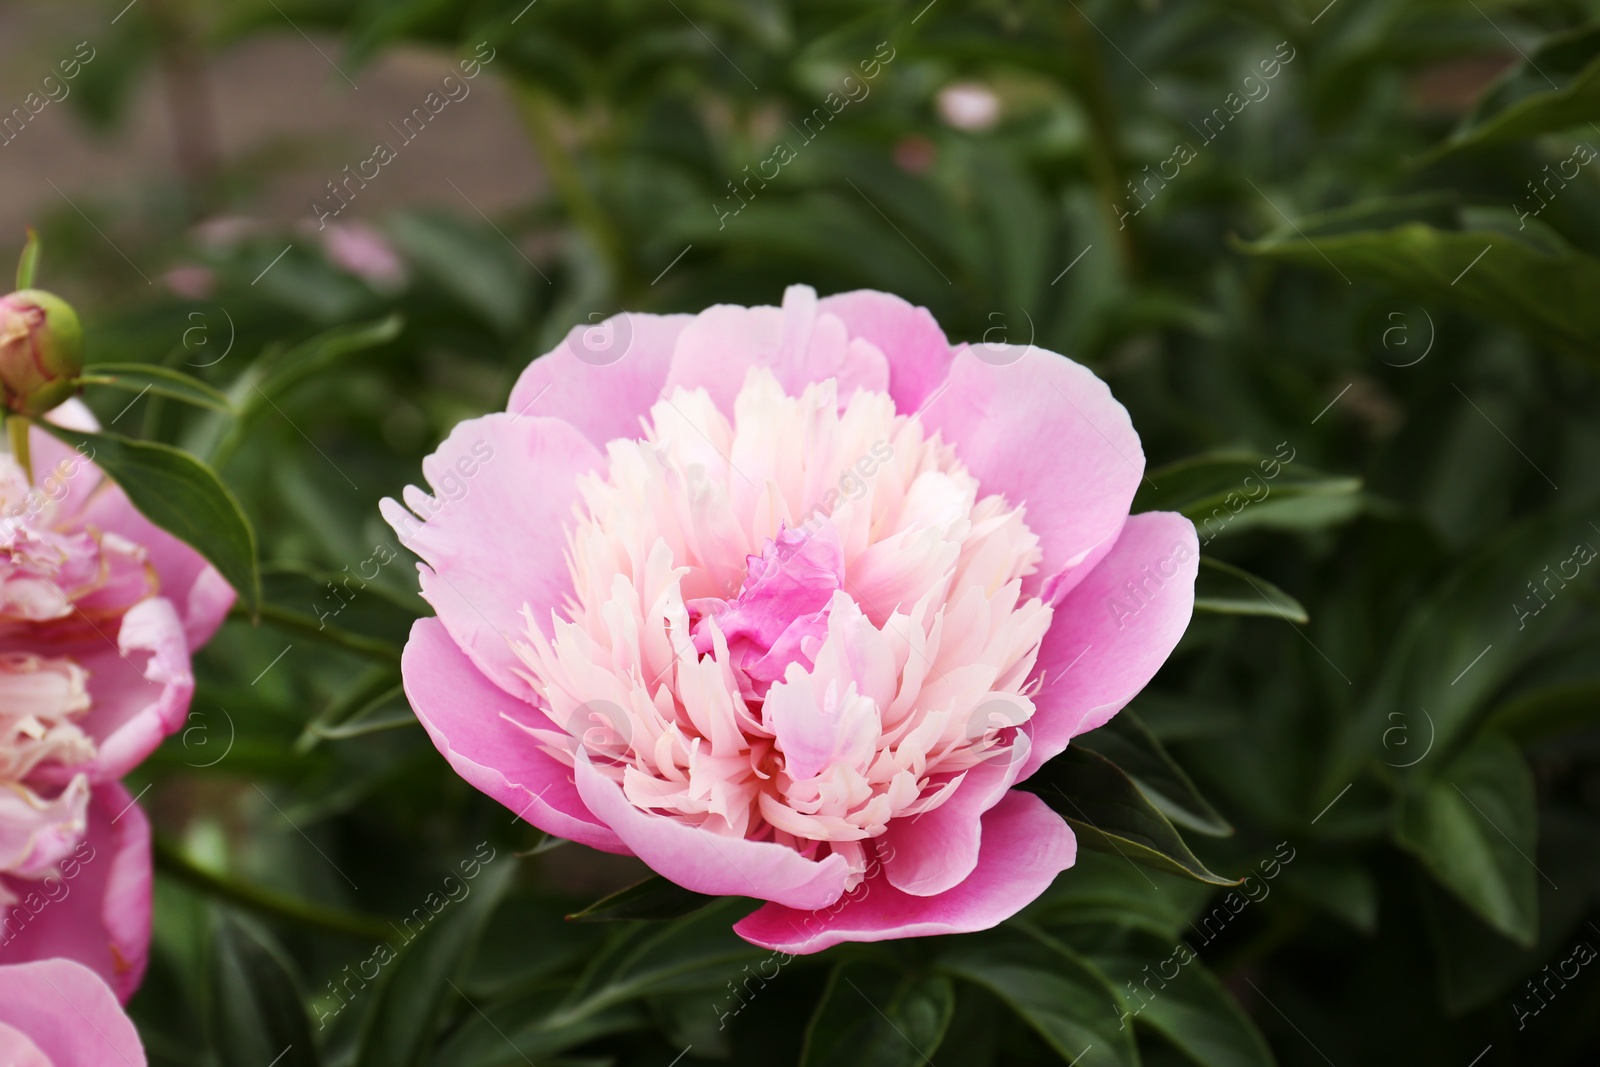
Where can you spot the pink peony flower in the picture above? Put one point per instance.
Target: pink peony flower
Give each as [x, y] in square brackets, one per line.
[57, 1013]
[785, 601]
[99, 610]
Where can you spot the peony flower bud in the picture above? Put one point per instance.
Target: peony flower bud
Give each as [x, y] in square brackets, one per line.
[41, 351]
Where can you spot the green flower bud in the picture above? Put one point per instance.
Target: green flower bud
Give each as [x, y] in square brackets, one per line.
[41, 351]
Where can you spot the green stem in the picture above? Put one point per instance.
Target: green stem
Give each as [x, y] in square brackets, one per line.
[17, 430]
[171, 861]
[538, 112]
[294, 622]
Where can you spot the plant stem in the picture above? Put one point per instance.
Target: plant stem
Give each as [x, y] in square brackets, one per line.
[171, 861]
[17, 430]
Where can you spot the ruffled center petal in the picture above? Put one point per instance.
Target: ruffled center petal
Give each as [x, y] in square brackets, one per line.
[790, 621]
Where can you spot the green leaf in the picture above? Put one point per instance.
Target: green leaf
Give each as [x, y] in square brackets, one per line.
[1548, 711]
[257, 1014]
[1524, 102]
[416, 986]
[162, 381]
[1473, 826]
[182, 496]
[1126, 742]
[1232, 483]
[28, 263]
[698, 950]
[1225, 589]
[1110, 813]
[1166, 988]
[472, 262]
[1541, 286]
[877, 1016]
[1066, 1000]
[655, 899]
[1464, 639]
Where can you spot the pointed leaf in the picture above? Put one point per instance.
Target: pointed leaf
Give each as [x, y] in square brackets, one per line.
[1224, 589]
[1066, 1000]
[1473, 828]
[1109, 813]
[877, 1016]
[257, 1014]
[422, 978]
[655, 898]
[1554, 89]
[1126, 742]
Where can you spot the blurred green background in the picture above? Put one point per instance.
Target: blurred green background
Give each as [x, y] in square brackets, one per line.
[1362, 234]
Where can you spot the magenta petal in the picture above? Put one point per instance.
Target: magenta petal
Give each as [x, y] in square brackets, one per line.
[603, 377]
[710, 863]
[493, 536]
[918, 353]
[68, 1014]
[1025, 845]
[139, 692]
[467, 718]
[799, 343]
[1114, 631]
[1049, 435]
[101, 914]
[931, 853]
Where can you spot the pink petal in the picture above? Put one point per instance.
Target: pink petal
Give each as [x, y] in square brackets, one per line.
[1106, 642]
[1025, 845]
[603, 377]
[918, 353]
[140, 692]
[493, 536]
[200, 595]
[932, 853]
[18, 1050]
[1048, 434]
[68, 1015]
[464, 714]
[100, 914]
[710, 863]
[799, 343]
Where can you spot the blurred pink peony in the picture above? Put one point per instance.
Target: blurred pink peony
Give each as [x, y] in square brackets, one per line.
[363, 251]
[98, 613]
[785, 601]
[970, 106]
[57, 1013]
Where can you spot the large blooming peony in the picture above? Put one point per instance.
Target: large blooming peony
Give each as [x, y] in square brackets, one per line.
[785, 602]
[98, 613]
[57, 1013]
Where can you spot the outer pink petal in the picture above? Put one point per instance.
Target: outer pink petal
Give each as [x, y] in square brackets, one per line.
[1106, 642]
[139, 692]
[932, 853]
[493, 536]
[604, 376]
[919, 354]
[798, 342]
[466, 716]
[1048, 434]
[1025, 845]
[69, 1014]
[194, 587]
[103, 920]
[709, 863]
